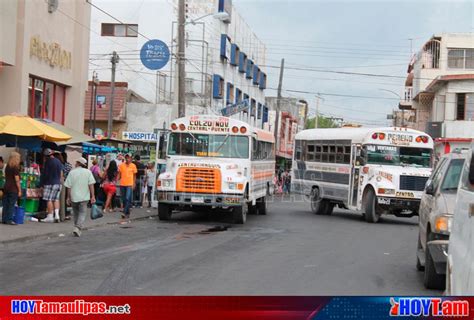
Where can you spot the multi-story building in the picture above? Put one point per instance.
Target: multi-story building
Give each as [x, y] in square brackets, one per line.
[440, 89]
[44, 49]
[224, 57]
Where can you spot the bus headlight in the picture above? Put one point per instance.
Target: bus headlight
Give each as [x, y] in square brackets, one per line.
[385, 191]
[166, 183]
[232, 186]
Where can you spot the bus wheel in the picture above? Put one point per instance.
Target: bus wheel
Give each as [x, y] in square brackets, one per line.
[240, 213]
[164, 211]
[371, 214]
[317, 204]
[262, 206]
[252, 209]
[328, 208]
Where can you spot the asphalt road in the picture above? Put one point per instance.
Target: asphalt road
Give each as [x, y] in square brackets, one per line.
[288, 252]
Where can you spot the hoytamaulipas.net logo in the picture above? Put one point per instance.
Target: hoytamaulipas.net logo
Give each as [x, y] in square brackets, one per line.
[402, 307]
[75, 307]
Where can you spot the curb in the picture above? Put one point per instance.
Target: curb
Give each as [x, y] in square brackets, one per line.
[45, 236]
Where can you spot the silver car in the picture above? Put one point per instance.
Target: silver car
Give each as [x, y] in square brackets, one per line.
[436, 212]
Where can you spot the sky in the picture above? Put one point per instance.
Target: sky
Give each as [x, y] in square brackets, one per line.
[355, 36]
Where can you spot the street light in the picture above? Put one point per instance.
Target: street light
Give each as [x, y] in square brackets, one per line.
[219, 16]
[400, 97]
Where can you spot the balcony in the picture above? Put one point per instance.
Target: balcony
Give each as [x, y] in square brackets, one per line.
[406, 101]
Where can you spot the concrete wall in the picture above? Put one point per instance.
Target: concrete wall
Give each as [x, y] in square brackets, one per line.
[35, 20]
[8, 30]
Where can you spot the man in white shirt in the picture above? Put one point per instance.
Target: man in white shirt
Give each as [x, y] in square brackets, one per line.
[80, 190]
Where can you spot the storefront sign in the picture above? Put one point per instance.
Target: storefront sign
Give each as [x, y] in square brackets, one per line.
[51, 53]
[155, 54]
[140, 136]
[101, 102]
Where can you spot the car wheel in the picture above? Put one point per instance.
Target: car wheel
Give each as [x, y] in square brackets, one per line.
[432, 280]
[419, 248]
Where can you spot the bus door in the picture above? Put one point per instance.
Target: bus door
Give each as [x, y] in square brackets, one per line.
[354, 183]
[160, 158]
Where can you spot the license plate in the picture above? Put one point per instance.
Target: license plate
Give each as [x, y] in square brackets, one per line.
[384, 201]
[197, 199]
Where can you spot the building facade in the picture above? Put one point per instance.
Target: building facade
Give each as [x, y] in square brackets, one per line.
[440, 90]
[44, 49]
[224, 57]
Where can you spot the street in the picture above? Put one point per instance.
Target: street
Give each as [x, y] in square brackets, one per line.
[290, 251]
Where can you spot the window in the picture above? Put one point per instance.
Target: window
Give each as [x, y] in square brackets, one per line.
[262, 150]
[119, 30]
[205, 145]
[451, 178]
[238, 95]
[461, 58]
[230, 93]
[465, 106]
[336, 151]
[218, 87]
[46, 100]
[397, 156]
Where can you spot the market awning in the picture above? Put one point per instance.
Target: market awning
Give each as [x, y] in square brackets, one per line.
[77, 137]
[23, 126]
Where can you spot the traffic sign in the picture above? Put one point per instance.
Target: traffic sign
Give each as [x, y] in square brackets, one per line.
[155, 54]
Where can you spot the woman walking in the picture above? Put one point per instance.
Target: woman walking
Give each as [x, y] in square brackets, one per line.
[12, 188]
[110, 184]
[150, 181]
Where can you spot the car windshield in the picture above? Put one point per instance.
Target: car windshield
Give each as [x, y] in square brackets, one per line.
[205, 145]
[398, 156]
[451, 178]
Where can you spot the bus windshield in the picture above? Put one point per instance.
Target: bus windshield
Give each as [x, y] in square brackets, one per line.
[208, 145]
[398, 156]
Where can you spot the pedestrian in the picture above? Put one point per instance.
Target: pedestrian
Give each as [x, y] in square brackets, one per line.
[110, 176]
[150, 181]
[50, 182]
[12, 188]
[140, 179]
[2, 164]
[80, 190]
[127, 177]
[288, 181]
[95, 169]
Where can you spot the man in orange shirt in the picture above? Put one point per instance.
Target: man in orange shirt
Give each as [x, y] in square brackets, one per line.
[127, 173]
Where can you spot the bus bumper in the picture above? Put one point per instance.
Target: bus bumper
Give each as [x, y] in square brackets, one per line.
[200, 199]
[397, 204]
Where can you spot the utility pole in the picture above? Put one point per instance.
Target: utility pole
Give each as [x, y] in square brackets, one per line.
[92, 103]
[181, 59]
[114, 60]
[280, 85]
[95, 83]
[316, 125]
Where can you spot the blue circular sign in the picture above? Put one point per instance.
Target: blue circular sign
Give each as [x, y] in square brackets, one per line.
[155, 54]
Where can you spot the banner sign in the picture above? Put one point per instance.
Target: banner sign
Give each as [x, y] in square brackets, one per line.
[140, 136]
[235, 108]
[233, 308]
[155, 54]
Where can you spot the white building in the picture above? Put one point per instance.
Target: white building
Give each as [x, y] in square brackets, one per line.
[441, 84]
[223, 54]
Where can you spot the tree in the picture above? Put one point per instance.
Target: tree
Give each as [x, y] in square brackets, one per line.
[323, 122]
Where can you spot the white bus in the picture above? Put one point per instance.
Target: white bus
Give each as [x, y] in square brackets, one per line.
[372, 170]
[216, 162]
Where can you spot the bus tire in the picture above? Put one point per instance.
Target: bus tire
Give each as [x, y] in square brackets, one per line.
[164, 211]
[252, 209]
[329, 208]
[240, 213]
[262, 206]
[371, 214]
[318, 205]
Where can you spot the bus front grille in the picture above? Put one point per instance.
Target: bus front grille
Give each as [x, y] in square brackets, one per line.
[413, 183]
[198, 180]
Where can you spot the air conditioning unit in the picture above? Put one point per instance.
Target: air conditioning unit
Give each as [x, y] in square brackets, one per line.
[52, 5]
[434, 129]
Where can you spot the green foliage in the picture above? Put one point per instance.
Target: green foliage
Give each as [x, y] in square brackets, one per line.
[323, 122]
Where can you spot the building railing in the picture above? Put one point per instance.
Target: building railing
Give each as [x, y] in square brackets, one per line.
[407, 95]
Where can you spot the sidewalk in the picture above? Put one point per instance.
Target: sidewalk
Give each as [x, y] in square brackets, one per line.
[38, 230]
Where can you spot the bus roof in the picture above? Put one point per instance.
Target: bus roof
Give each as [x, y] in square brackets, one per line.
[356, 135]
[213, 124]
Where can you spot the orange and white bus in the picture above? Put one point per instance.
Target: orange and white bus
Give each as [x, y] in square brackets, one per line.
[216, 162]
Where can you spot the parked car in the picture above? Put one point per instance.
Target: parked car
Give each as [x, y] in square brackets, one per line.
[460, 268]
[436, 213]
